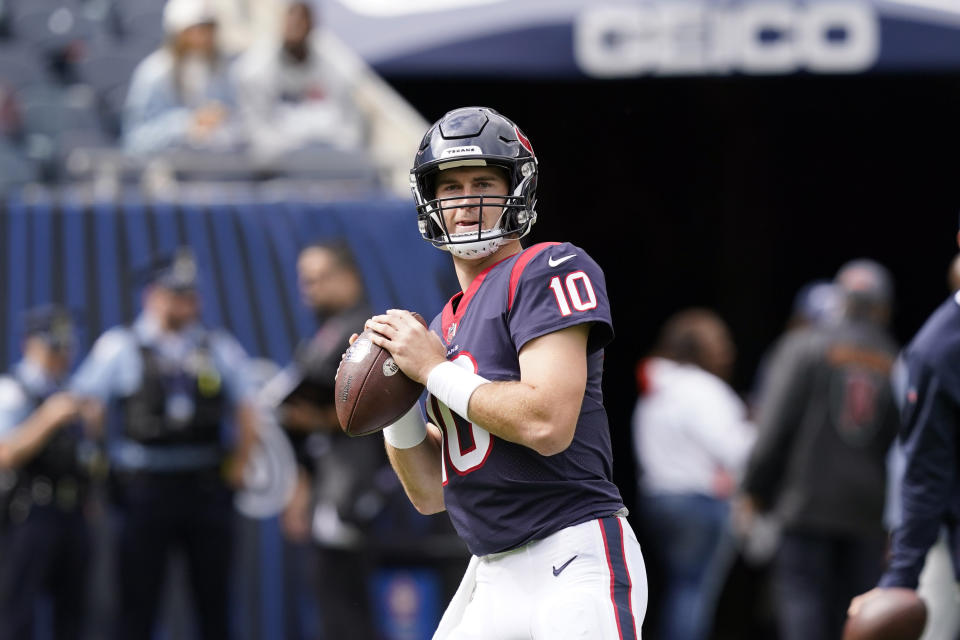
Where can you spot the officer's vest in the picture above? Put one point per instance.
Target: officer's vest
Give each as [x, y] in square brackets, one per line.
[177, 402]
[60, 456]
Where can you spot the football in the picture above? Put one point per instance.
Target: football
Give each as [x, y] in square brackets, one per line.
[894, 614]
[371, 391]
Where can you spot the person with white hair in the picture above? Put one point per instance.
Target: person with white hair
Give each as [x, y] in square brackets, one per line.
[180, 95]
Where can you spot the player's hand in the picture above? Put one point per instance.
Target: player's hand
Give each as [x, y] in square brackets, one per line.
[857, 603]
[414, 348]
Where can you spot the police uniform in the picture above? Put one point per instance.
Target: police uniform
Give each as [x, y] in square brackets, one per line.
[930, 439]
[169, 395]
[45, 538]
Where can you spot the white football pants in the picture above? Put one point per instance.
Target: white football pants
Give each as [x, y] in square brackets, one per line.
[584, 582]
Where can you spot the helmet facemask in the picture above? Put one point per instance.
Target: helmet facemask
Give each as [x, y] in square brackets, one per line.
[516, 217]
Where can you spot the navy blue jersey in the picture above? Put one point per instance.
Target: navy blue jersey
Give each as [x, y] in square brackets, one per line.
[500, 494]
[930, 435]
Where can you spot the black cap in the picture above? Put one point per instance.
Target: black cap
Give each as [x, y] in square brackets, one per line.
[177, 272]
[51, 323]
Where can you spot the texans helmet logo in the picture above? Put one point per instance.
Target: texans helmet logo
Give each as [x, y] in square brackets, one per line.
[524, 141]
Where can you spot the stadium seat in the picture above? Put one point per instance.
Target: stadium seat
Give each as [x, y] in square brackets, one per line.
[104, 16]
[57, 120]
[4, 19]
[15, 168]
[108, 71]
[49, 26]
[142, 23]
[20, 67]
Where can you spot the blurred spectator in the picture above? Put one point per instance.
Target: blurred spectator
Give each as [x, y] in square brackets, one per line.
[174, 385]
[692, 439]
[290, 97]
[827, 420]
[345, 470]
[180, 96]
[45, 537]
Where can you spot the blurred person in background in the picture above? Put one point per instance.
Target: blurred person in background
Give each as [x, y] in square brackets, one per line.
[925, 491]
[692, 439]
[44, 536]
[747, 608]
[175, 386]
[827, 419]
[181, 96]
[337, 494]
[290, 97]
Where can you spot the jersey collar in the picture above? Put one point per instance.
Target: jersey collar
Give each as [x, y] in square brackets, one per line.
[450, 319]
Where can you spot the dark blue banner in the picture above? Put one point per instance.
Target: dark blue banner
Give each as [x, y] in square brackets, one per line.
[626, 39]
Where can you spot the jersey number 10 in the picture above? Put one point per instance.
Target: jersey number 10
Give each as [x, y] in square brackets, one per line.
[465, 444]
[580, 301]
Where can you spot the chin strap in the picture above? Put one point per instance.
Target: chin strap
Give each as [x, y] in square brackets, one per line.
[475, 250]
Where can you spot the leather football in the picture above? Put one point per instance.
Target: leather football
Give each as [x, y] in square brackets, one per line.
[371, 390]
[893, 614]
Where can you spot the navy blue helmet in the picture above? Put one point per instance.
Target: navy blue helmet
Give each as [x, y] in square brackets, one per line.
[475, 136]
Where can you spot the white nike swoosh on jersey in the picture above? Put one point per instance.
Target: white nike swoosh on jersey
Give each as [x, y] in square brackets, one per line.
[560, 261]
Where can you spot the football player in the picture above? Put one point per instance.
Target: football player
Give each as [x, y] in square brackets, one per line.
[517, 448]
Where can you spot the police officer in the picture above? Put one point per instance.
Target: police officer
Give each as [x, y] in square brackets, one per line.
[45, 539]
[173, 385]
[827, 419]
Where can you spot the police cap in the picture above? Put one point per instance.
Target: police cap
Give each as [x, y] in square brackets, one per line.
[177, 272]
[51, 323]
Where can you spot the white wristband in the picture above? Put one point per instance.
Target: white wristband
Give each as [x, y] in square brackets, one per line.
[408, 431]
[453, 385]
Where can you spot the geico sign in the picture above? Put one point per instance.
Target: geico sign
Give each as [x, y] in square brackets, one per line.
[671, 37]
